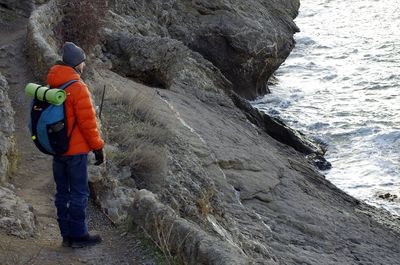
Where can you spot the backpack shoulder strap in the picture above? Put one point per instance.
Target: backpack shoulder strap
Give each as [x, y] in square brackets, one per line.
[64, 86]
[70, 82]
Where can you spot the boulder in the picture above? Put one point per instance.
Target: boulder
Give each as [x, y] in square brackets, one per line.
[16, 216]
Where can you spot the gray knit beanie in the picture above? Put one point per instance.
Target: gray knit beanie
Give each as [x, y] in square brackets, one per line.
[72, 54]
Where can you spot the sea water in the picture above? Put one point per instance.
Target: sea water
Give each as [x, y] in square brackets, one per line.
[341, 85]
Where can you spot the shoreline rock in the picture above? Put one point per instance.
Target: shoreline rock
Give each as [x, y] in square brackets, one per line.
[284, 134]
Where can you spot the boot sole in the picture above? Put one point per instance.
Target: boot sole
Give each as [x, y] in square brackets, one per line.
[86, 244]
[66, 245]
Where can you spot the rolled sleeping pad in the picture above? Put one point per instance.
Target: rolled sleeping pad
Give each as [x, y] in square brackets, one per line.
[54, 96]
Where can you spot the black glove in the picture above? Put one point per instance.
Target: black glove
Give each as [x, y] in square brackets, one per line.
[99, 155]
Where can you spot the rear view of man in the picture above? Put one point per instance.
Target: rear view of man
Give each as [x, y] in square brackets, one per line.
[70, 169]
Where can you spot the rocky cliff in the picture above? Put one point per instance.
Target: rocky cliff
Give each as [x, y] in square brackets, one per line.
[206, 183]
[247, 41]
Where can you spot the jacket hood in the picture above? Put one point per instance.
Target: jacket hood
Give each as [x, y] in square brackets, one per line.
[60, 74]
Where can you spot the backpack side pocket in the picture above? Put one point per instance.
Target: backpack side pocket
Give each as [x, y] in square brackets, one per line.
[58, 136]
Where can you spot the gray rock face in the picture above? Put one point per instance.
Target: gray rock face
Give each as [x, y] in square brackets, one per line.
[234, 180]
[150, 60]
[16, 217]
[7, 142]
[246, 40]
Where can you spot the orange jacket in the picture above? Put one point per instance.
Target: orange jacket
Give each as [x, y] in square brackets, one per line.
[78, 107]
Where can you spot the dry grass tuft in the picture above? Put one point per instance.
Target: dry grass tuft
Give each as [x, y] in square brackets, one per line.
[140, 133]
[139, 107]
[204, 200]
[162, 238]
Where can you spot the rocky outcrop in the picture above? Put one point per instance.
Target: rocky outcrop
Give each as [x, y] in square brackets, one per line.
[41, 43]
[149, 59]
[7, 141]
[247, 40]
[231, 178]
[178, 235]
[230, 193]
[113, 189]
[16, 217]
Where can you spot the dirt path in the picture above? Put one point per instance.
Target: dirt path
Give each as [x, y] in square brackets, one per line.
[34, 183]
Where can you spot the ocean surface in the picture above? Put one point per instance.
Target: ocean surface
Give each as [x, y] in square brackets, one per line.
[341, 85]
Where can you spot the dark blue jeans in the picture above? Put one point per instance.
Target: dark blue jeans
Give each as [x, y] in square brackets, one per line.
[71, 177]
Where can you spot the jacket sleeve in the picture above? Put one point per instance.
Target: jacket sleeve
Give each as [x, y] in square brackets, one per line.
[86, 119]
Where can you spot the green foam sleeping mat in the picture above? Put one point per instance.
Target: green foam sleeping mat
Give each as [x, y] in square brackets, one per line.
[53, 95]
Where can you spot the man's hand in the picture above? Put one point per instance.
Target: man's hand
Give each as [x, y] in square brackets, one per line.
[99, 155]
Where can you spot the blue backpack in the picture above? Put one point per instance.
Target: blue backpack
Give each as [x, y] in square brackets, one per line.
[48, 125]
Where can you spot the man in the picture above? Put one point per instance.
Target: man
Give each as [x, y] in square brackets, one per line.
[70, 169]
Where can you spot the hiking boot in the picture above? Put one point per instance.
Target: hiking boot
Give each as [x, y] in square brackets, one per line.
[66, 241]
[85, 241]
